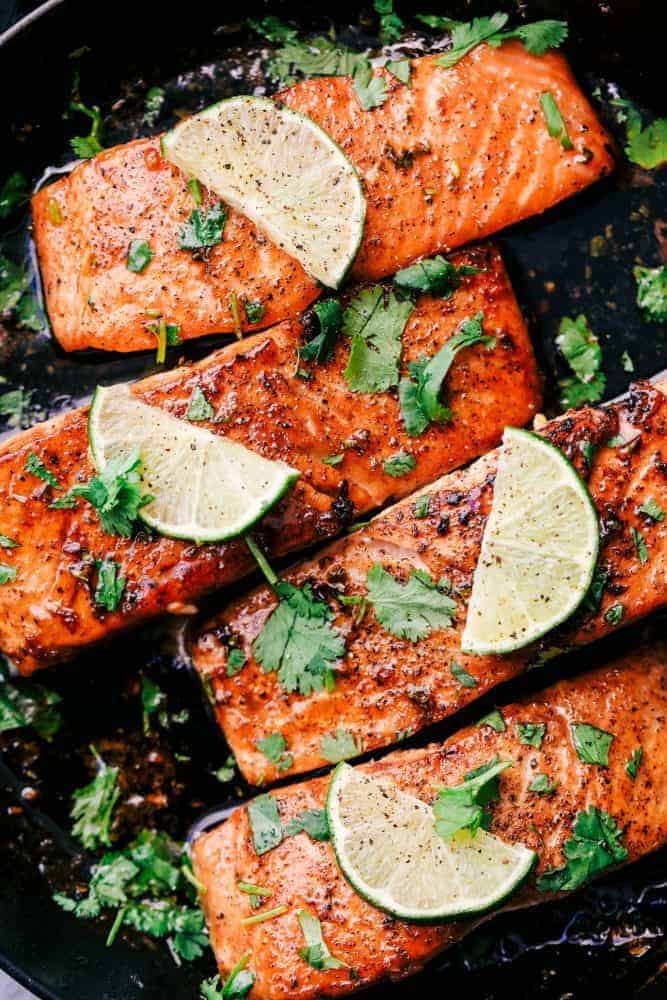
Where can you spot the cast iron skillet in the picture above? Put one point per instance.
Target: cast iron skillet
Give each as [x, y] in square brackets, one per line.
[610, 937]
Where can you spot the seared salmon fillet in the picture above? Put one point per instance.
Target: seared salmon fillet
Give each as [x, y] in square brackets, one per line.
[460, 153]
[84, 224]
[385, 686]
[627, 700]
[258, 397]
[457, 155]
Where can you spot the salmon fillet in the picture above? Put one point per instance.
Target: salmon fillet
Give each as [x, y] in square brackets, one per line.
[48, 612]
[130, 192]
[460, 154]
[386, 686]
[628, 699]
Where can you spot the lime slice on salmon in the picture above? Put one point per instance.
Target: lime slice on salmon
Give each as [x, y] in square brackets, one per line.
[387, 848]
[539, 548]
[205, 487]
[282, 171]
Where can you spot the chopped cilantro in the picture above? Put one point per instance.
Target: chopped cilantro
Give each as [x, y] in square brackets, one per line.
[537, 38]
[139, 256]
[274, 749]
[23, 703]
[194, 187]
[399, 464]
[226, 771]
[582, 351]
[614, 614]
[422, 506]
[264, 817]
[329, 319]
[199, 407]
[236, 660]
[36, 467]
[556, 127]
[8, 543]
[465, 679]
[462, 807]
[238, 983]
[14, 192]
[311, 821]
[15, 295]
[203, 229]
[647, 147]
[371, 90]
[332, 459]
[153, 105]
[652, 509]
[14, 405]
[90, 145]
[7, 573]
[410, 610]
[627, 362]
[400, 68]
[375, 322]
[316, 953]
[93, 805]
[254, 311]
[110, 585]
[340, 745]
[640, 546]
[167, 335]
[494, 719]
[592, 744]
[652, 293]
[115, 493]
[541, 785]
[273, 29]
[153, 702]
[595, 845]
[531, 734]
[632, 765]
[433, 276]
[591, 602]
[419, 394]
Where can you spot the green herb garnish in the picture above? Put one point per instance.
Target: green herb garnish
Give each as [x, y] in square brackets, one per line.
[93, 805]
[14, 192]
[274, 748]
[153, 105]
[493, 719]
[254, 311]
[36, 467]
[632, 765]
[463, 807]
[594, 846]
[23, 703]
[542, 785]
[236, 660]
[110, 585]
[311, 821]
[465, 679]
[422, 506]
[647, 147]
[556, 127]
[531, 734]
[410, 610]
[435, 276]
[614, 614]
[199, 407]
[203, 229]
[375, 322]
[400, 464]
[640, 546]
[592, 744]
[115, 493]
[581, 349]
[652, 509]
[340, 745]
[89, 145]
[652, 292]
[537, 38]
[267, 831]
[238, 983]
[153, 702]
[7, 573]
[139, 256]
[316, 953]
[329, 314]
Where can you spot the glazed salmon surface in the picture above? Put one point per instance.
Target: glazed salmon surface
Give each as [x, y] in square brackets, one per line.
[384, 686]
[459, 154]
[48, 612]
[628, 700]
[130, 192]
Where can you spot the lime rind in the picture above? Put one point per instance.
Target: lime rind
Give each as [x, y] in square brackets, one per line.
[409, 871]
[539, 549]
[294, 182]
[205, 487]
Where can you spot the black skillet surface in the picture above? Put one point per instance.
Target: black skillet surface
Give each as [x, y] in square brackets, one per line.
[578, 257]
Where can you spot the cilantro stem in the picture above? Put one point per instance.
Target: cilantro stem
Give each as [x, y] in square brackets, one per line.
[240, 965]
[261, 560]
[259, 918]
[236, 315]
[253, 890]
[161, 355]
[188, 874]
[116, 926]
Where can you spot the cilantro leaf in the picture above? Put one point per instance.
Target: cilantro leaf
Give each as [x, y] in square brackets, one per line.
[614, 614]
[400, 68]
[7, 573]
[419, 394]
[273, 29]
[370, 89]
[153, 105]
[399, 464]
[254, 311]
[595, 845]
[264, 817]
[110, 585]
[537, 37]
[422, 506]
[203, 229]
[556, 127]
[8, 543]
[592, 744]
[461, 807]
[466, 36]
[311, 821]
[652, 292]
[14, 405]
[329, 320]
[115, 493]
[647, 147]
[632, 765]
[582, 351]
[273, 747]
[14, 192]
[652, 509]
[236, 660]
[433, 276]
[90, 145]
[226, 772]
[93, 805]
[36, 467]
[640, 546]
[493, 719]
[199, 407]
[319, 56]
[13, 283]
[24, 703]
[139, 256]
[153, 701]
[541, 785]
[531, 734]
[375, 323]
[340, 745]
[316, 953]
[410, 610]
[240, 980]
[462, 676]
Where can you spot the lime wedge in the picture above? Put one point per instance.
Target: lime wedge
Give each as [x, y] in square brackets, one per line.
[204, 487]
[387, 848]
[280, 169]
[539, 548]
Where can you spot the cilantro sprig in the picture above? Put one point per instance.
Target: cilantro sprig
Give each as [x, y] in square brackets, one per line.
[596, 844]
[645, 146]
[464, 806]
[581, 349]
[327, 322]
[86, 146]
[115, 493]
[24, 703]
[652, 292]
[375, 321]
[316, 952]
[93, 805]
[238, 983]
[410, 610]
[537, 38]
[433, 276]
[203, 230]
